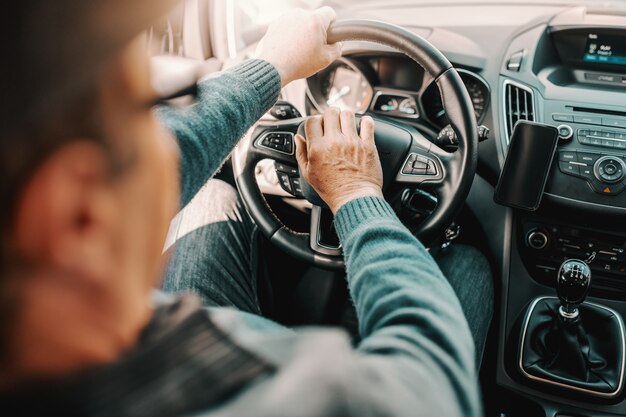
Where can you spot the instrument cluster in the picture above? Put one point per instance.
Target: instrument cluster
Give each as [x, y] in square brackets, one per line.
[388, 85]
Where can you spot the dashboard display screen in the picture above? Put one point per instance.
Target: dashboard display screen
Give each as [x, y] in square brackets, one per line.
[399, 73]
[592, 48]
[605, 49]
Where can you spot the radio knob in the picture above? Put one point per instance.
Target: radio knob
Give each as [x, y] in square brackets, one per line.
[537, 239]
[565, 132]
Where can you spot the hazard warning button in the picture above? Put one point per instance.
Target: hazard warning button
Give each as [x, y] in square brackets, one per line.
[607, 189]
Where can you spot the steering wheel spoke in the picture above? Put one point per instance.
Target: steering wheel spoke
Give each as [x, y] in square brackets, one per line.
[323, 237]
[429, 168]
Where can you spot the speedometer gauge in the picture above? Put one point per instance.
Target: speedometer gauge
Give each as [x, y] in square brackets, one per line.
[344, 84]
[476, 87]
[348, 90]
[477, 94]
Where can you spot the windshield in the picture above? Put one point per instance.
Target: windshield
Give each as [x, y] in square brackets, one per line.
[249, 18]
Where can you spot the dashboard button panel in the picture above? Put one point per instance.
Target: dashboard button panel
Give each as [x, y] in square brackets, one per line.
[602, 137]
[605, 174]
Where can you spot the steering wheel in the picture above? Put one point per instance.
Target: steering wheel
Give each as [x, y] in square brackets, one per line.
[407, 157]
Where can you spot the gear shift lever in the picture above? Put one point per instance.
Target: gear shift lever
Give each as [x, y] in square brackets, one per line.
[570, 344]
[572, 286]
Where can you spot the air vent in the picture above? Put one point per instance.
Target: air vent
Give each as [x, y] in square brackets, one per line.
[518, 105]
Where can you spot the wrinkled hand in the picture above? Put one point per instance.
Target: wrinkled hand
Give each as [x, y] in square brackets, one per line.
[338, 163]
[296, 44]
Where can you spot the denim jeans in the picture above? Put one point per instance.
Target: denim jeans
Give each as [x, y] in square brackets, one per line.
[213, 248]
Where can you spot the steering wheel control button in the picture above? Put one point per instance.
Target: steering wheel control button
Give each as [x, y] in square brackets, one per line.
[432, 169]
[277, 141]
[565, 132]
[297, 187]
[537, 239]
[286, 168]
[419, 165]
[288, 145]
[408, 165]
[285, 182]
[609, 170]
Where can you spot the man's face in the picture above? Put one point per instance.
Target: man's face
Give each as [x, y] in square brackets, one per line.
[93, 240]
[148, 194]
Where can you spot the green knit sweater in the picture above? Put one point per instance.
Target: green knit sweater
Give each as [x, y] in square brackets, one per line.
[416, 357]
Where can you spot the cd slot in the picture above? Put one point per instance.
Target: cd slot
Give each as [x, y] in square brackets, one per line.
[597, 111]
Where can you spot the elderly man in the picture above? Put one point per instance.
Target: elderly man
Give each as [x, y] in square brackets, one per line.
[89, 182]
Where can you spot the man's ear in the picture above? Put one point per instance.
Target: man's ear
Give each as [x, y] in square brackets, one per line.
[66, 212]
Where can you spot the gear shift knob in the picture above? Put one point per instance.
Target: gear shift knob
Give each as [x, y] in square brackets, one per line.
[572, 286]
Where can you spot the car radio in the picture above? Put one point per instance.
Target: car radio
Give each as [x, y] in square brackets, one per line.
[590, 165]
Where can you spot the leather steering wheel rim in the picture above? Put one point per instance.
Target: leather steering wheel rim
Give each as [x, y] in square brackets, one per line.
[459, 168]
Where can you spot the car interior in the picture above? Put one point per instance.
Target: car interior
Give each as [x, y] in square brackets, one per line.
[499, 124]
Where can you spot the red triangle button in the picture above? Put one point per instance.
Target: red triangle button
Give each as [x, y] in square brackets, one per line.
[607, 190]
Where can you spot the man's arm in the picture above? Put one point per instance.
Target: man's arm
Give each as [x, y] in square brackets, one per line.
[410, 319]
[229, 103]
[414, 334]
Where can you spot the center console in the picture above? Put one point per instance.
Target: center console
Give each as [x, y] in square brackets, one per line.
[568, 357]
[544, 243]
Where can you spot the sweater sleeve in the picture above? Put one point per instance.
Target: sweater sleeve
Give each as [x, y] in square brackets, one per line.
[411, 321]
[228, 104]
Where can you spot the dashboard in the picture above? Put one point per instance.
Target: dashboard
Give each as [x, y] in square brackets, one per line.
[390, 85]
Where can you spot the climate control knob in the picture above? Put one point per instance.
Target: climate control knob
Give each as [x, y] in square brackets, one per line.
[537, 239]
[609, 169]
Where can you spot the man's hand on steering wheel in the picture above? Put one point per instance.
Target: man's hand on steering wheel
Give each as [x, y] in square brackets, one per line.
[296, 44]
[340, 164]
[337, 165]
